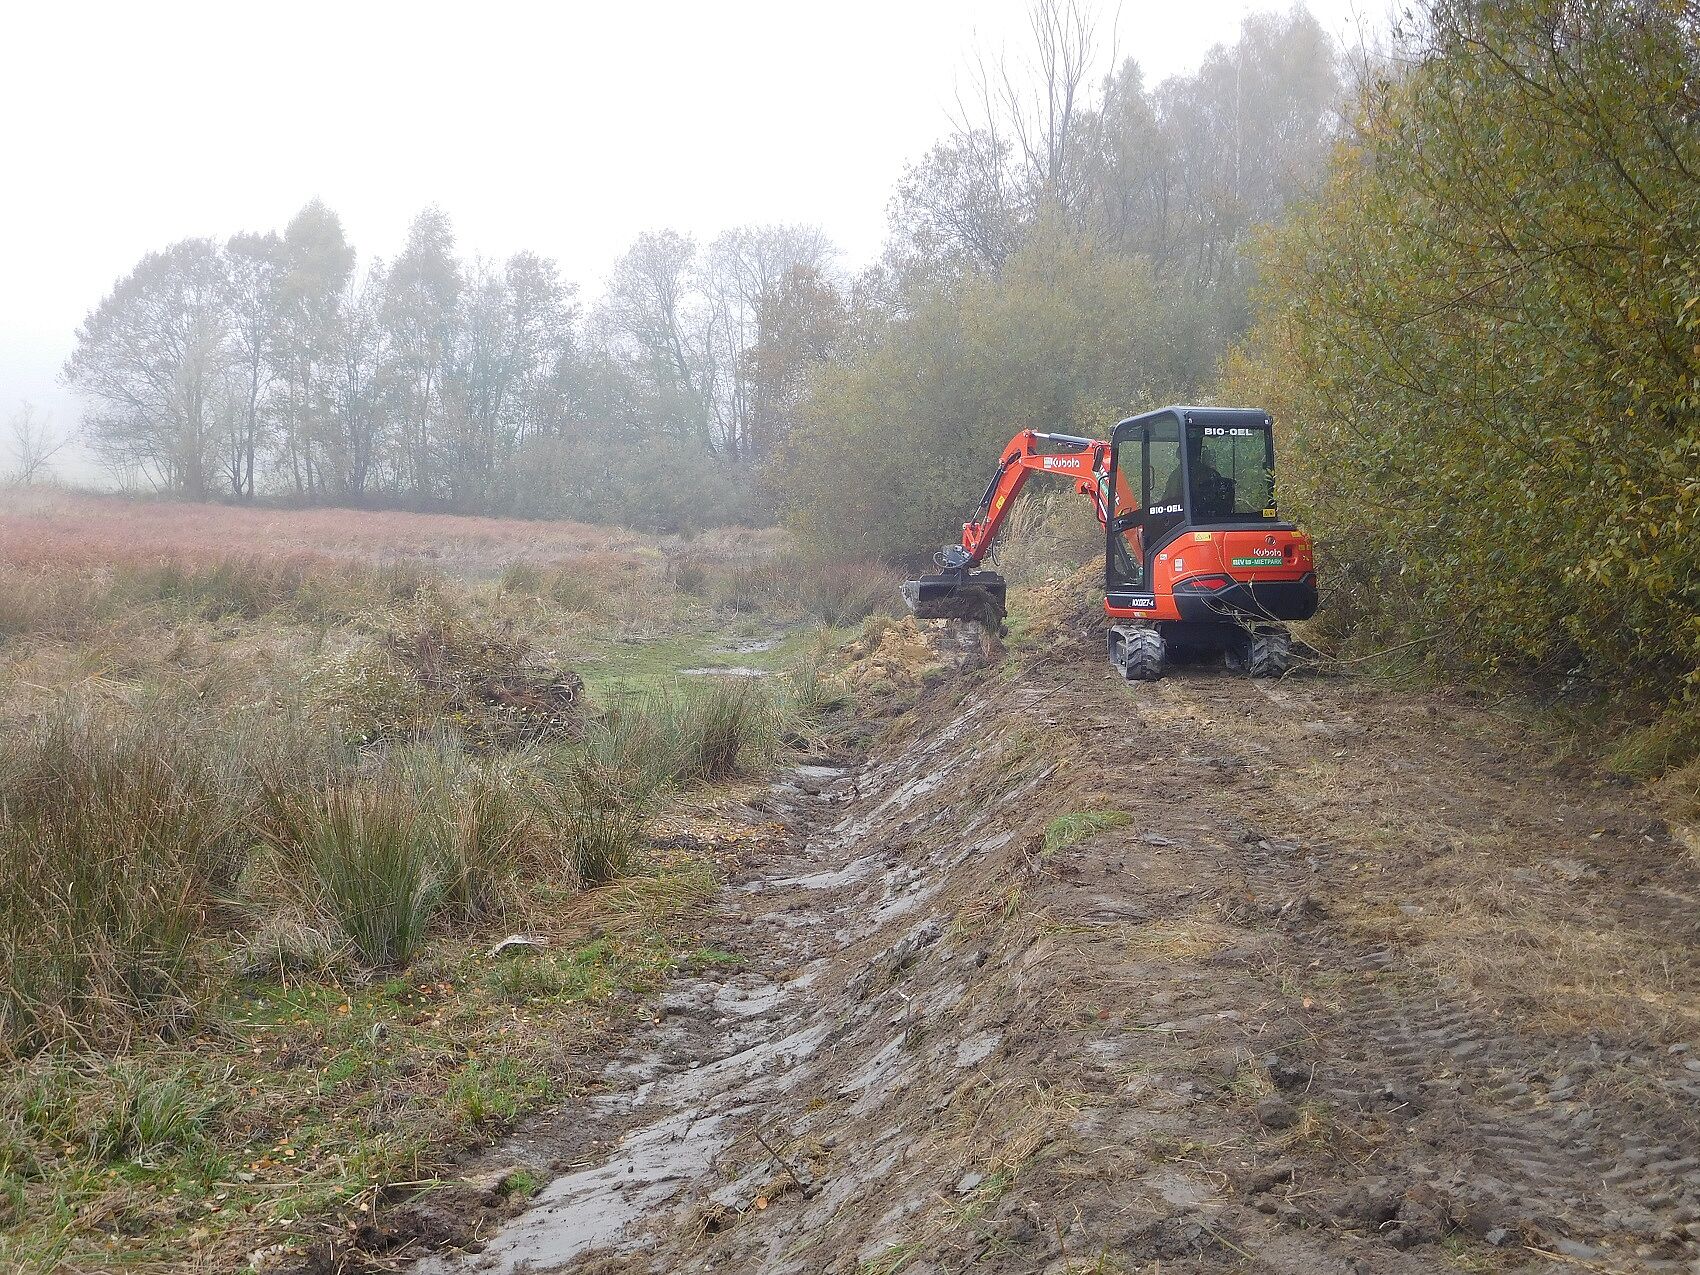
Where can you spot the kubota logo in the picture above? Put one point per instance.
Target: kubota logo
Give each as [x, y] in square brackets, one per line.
[1062, 462]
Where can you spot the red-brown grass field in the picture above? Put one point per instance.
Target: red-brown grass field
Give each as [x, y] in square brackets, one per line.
[40, 526]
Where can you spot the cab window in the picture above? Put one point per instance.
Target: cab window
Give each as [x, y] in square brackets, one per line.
[1231, 474]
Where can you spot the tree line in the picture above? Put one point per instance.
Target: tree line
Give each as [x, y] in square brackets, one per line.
[274, 363]
[751, 375]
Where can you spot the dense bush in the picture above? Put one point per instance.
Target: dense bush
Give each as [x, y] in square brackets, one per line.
[1481, 343]
[896, 443]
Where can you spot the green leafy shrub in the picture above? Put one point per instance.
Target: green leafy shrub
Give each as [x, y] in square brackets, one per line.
[1479, 343]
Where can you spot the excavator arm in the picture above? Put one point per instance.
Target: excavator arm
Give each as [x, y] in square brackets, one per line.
[1082, 460]
[957, 592]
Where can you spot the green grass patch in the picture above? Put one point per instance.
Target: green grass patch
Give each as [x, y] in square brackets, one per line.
[1067, 830]
[614, 666]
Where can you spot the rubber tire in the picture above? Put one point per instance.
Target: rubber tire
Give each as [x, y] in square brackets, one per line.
[1267, 653]
[1143, 654]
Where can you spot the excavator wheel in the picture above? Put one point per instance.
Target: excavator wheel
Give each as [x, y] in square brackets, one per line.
[1139, 653]
[1263, 652]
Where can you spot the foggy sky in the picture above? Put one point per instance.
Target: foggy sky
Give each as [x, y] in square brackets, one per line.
[564, 128]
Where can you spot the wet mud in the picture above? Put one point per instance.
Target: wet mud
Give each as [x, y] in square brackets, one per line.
[1223, 1031]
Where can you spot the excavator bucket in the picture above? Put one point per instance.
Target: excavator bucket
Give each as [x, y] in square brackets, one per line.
[958, 596]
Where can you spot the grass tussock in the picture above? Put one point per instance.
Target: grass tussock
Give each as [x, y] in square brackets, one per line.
[1666, 745]
[690, 731]
[371, 863]
[428, 662]
[596, 816]
[115, 837]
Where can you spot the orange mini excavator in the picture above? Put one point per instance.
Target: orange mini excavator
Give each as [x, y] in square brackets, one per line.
[1196, 558]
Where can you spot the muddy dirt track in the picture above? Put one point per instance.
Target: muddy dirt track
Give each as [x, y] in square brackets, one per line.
[1366, 982]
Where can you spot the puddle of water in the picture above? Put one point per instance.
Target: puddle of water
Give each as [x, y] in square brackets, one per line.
[736, 670]
[592, 1208]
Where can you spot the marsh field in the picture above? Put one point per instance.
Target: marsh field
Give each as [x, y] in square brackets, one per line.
[388, 891]
[273, 787]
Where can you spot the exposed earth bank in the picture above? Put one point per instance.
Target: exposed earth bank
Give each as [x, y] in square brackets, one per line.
[1202, 975]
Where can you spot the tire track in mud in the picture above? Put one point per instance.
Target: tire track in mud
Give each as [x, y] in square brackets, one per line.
[1537, 1147]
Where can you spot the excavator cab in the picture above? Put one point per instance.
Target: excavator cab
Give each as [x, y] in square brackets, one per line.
[1171, 471]
[1195, 550]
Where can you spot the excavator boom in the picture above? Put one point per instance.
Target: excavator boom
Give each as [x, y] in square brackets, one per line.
[958, 592]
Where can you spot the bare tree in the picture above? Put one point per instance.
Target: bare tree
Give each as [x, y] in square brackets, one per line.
[33, 443]
[1013, 153]
[420, 311]
[151, 363]
[657, 320]
[741, 280]
[1034, 111]
[252, 264]
[315, 263]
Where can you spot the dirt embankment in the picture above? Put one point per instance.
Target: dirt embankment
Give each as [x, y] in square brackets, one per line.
[1070, 975]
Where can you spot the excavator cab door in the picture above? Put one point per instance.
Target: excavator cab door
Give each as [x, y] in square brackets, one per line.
[1146, 497]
